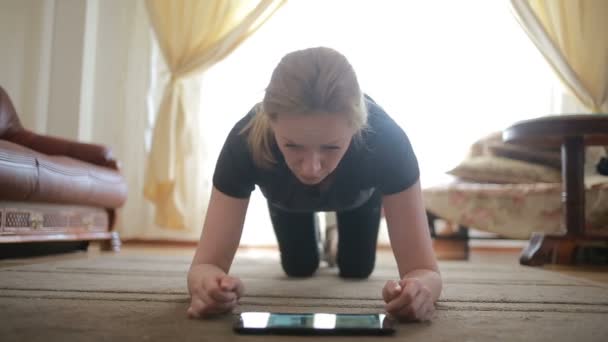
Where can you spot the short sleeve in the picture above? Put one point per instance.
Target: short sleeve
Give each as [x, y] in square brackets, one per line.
[395, 160]
[234, 173]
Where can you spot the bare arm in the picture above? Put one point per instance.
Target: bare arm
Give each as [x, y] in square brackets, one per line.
[221, 231]
[212, 290]
[410, 239]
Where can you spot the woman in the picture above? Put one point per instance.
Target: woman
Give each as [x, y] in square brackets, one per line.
[316, 143]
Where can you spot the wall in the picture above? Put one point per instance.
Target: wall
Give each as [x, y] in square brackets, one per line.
[25, 57]
[47, 63]
[79, 69]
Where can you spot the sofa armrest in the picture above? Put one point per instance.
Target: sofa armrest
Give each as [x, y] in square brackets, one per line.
[91, 153]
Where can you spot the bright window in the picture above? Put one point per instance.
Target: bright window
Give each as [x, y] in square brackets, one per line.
[449, 72]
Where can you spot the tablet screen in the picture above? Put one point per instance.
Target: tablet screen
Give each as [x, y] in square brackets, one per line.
[312, 322]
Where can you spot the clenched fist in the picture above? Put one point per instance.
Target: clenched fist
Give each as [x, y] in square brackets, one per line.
[408, 300]
[212, 291]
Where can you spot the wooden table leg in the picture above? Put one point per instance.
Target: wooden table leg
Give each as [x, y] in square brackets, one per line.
[573, 180]
[565, 250]
[562, 249]
[579, 244]
[544, 249]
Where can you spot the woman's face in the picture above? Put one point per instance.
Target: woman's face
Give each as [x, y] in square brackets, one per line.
[312, 145]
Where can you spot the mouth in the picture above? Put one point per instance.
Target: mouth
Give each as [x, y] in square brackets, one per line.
[310, 181]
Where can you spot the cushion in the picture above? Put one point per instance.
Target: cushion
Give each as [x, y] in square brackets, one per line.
[492, 169]
[549, 158]
[27, 175]
[515, 210]
[480, 147]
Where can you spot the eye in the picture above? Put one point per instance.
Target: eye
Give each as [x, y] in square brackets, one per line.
[293, 146]
[330, 147]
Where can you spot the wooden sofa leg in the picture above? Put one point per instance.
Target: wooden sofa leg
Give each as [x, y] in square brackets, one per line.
[449, 247]
[112, 244]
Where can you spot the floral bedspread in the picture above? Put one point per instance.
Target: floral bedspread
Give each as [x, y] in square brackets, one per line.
[515, 210]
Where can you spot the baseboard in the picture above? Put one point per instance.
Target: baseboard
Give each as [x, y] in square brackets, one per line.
[159, 242]
[485, 245]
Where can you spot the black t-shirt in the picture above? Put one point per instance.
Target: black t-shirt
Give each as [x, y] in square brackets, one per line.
[382, 160]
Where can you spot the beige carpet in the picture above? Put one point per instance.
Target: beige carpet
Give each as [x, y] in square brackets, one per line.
[128, 297]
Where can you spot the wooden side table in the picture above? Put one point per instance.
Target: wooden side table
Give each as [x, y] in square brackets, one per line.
[572, 133]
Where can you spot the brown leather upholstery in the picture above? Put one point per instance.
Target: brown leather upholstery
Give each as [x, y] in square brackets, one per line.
[40, 168]
[11, 130]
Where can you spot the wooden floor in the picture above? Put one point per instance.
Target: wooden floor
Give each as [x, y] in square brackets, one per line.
[483, 254]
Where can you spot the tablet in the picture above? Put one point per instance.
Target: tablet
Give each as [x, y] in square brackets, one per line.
[313, 323]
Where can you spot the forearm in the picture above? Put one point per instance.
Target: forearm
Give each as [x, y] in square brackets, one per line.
[429, 278]
[409, 234]
[211, 263]
[208, 268]
[221, 231]
[218, 253]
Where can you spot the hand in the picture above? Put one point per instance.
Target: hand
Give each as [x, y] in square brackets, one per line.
[408, 300]
[212, 291]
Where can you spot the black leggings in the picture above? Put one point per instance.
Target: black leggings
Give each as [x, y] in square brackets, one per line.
[298, 238]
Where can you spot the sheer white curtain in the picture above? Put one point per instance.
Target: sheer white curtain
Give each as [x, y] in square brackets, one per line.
[449, 72]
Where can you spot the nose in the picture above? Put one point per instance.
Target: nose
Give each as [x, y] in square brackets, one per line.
[311, 165]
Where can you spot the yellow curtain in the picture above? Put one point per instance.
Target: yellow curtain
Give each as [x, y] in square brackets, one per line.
[192, 35]
[573, 37]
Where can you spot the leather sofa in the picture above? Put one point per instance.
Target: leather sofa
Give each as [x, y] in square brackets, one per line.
[53, 189]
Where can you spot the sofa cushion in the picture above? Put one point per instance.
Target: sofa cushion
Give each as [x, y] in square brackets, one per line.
[26, 175]
[549, 158]
[515, 210]
[491, 169]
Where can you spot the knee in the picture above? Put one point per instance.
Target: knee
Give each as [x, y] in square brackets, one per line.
[300, 267]
[356, 270]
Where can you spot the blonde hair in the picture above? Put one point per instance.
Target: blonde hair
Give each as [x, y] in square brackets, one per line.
[304, 82]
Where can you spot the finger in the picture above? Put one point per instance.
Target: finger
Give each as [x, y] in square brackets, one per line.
[430, 312]
[385, 292]
[417, 309]
[424, 306]
[228, 283]
[193, 313]
[425, 314]
[221, 296]
[219, 308]
[206, 298]
[201, 310]
[407, 313]
[407, 296]
[419, 303]
[229, 306]
[391, 290]
[196, 308]
[233, 284]
[410, 282]
[213, 290]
